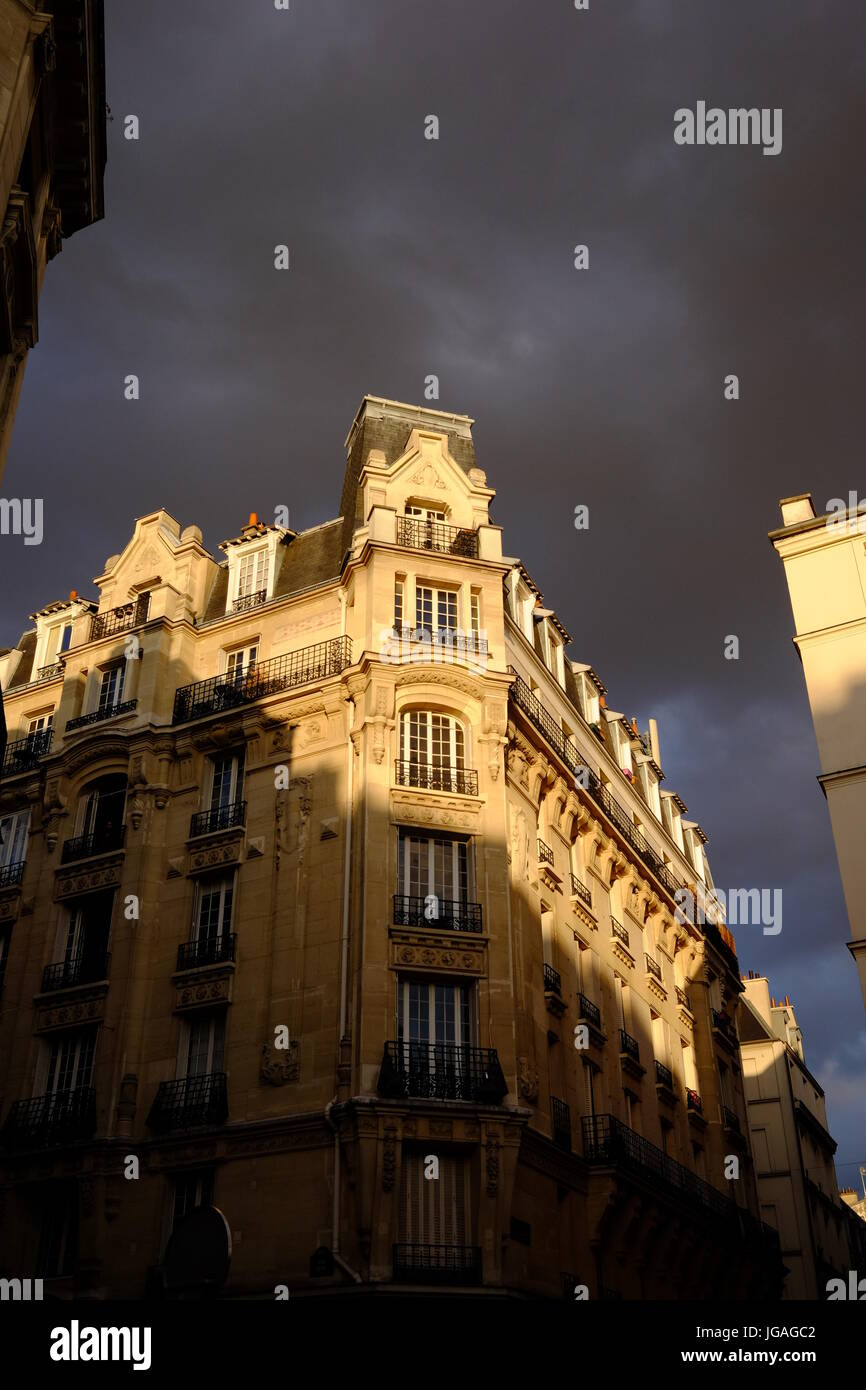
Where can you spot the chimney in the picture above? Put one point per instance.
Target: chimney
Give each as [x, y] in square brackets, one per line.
[73, 595]
[254, 519]
[654, 742]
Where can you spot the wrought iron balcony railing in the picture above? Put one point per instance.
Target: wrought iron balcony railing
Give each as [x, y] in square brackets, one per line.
[552, 979]
[122, 619]
[683, 998]
[580, 890]
[664, 1076]
[23, 754]
[560, 1115]
[629, 1045]
[442, 1071]
[694, 1102]
[49, 1120]
[653, 967]
[81, 970]
[232, 689]
[12, 874]
[619, 931]
[724, 1023]
[96, 716]
[218, 818]
[588, 1010]
[444, 644]
[418, 534]
[607, 1140]
[103, 841]
[436, 779]
[545, 853]
[436, 1264]
[248, 601]
[449, 914]
[208, 950]
[730, 1119]
[189, 1103]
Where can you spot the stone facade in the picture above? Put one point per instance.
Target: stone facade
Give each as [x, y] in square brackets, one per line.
[408, 984]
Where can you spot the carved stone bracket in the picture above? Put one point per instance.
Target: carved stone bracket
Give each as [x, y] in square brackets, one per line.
[281, 1065]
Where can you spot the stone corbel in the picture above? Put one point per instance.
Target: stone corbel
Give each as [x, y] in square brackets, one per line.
[541, 777]
[571, 815]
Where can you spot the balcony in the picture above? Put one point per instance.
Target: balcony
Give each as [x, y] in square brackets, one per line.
[97, 716]
[665, 1078]
[579, 890]
[683, 999]
[441, 1071]
[218, 818]
[731, 1120]
[591, 1012]
[653, 968]
[248, 601]
[417, 534]
[552, 980]
[210, 950]
[560, 1116]
[103, 841]
[23, 754]
[82, 970]
[629, 1046]
[620, 932]
[545, 853]
[49, 673]
[447, 914]
[723, 1027]
[437, 1264]
[50, 1120]
[607, 1141]
[436, 779]
[12, 874]
[231, 690]
[439, 645]
[694, 1102]
[122, 619]
[189, 1103]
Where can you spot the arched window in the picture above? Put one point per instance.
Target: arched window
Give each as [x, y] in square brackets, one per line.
[100, 812]
[432, 751]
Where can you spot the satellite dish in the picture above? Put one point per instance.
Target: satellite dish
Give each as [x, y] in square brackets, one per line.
[199, 1255]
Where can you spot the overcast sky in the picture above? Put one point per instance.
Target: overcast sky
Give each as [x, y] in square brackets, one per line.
[412, 257]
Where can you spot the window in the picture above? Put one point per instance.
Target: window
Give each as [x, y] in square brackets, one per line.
[475, 613]
[434, 1013]
[399, 609]
[40, 723]
[428, 866]
[425, 513]
[590, 1071]
[111, 687]
[100, 809]
[205, 1046]
[83, 938]
[58, 640]
[213, 917]
[433, 1213]
[253, 572]
[58, 1238]
[191, 1190]
[435, 610]
[70, 1062]
[227, 780]
[240, 661]
[13, 838]
[433, 741]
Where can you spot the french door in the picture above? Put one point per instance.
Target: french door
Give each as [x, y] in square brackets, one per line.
[111, 688]
[433, 746]
[227, 784]
[435, 611]
[433, 867]
[70, 1063]
[205, 1046]
[433, 1213]
[214, 916]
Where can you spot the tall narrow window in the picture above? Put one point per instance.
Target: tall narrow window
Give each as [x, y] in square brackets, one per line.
[432, 1214]
[433, 750]
[213, 919]
[434, 1013]
[399, 611]
[111, 687]
[253, 574]
[475, 612]
[191, 1190]
[13, 838]
[205, 1047]
[429, 866]
[70, 1062]
[100, 811]
[435, 611]
[227, 780]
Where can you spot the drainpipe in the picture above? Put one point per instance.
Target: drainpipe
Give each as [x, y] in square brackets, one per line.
[344, 992]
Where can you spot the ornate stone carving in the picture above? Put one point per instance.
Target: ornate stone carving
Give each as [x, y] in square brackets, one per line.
[389, 1158]
[279, 1066]
[437, 952]
[527, 1080]
[492, 1164]
[521, 845]
[73, 881]
[203, 989]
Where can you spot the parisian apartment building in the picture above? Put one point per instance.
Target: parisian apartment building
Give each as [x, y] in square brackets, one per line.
[821, 1236]
[335, 895]
[824, 561]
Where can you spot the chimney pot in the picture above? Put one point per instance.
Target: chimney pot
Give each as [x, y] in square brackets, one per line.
[73, 595]
[254, 519]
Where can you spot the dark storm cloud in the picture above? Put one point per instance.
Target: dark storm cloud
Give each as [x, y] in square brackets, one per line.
[455, 257]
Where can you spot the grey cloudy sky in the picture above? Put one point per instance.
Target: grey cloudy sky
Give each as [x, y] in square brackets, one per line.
[454, 257]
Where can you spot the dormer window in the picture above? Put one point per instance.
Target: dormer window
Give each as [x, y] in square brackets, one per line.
[253, 572]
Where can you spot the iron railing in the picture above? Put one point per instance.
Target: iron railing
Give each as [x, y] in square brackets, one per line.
[683, 998]
[189, 1103]
[588, 1010]
[552, 979]
[103, 841]
[629, 1045]
[444, 643]
[442, 1071]
[664, 1076]
[418, 534]
[580, 890]
[248, 601]
[694, 1102]
[23, 754]
[560, 1115]
[436, 779]
[96, 716]
[653, 967]
[730, 1119]
[436, 1264]
[208, 950]
[228, 691]
[620, 931]
[12, 874]
[724, 1024]
[122, 619]
[218, 818]
[81, 970]
[59, 1118]
[545, 853]
[49, 673]
[607, 1140]
[450, 914]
